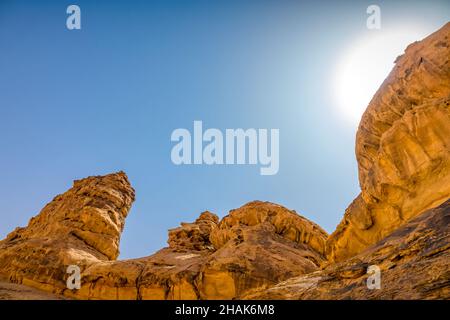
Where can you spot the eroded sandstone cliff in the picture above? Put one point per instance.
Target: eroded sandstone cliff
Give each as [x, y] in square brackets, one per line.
[258, 244]
[402, 148]
[80, 227]
[263, 250]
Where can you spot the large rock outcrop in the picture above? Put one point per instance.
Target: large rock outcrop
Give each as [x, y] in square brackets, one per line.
[413, 263]
[258, 244]
[13, 291]
[81, 226]
[402, 148]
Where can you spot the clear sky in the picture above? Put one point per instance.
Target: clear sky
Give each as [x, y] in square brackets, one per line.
[107, 98]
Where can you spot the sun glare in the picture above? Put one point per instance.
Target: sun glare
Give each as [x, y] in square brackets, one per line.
[365, 65]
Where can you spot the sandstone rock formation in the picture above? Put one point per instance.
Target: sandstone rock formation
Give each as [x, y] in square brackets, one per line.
[13, 291]
[258, 244]
[413, 261]
[195, 235]
[402, 148]
[81, 226]
[258, 215]
[263, 250]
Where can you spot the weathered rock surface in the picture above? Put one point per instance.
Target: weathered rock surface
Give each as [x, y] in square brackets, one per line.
[195, 235]
[263, 250]
[81, 226]
[402, 148]
[257, 215]
[258, 244]
[253, 253]
[13, 291]
[413, 260]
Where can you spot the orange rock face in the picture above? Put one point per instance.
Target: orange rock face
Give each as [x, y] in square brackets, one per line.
[402, 148]
[258, 244]
[195, 235]
[413, 263]
[263, 250]
[81, 226]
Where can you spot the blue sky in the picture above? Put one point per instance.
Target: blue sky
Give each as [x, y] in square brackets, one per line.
[107, 98]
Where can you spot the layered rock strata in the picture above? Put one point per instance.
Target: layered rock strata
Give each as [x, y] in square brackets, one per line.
[413, 263]
[399, 222]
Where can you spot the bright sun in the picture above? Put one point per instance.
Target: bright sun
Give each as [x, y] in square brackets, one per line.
[365, 66]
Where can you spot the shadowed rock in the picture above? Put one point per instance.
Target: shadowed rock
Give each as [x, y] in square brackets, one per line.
[413, 262]
[258, 244]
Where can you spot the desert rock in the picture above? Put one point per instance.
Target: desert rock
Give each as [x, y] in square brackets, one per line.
[81, 226]
[194, 235]
[399, 222]
[413, 263]
[258, 244]
[402, 148]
